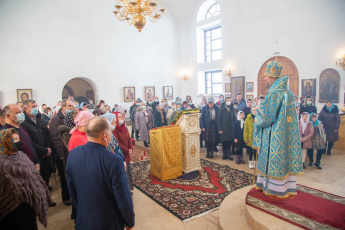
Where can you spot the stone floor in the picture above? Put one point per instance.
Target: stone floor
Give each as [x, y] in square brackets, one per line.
[150, 215]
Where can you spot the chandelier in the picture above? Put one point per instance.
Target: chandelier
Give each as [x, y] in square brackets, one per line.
[134, 11]
[340, 61]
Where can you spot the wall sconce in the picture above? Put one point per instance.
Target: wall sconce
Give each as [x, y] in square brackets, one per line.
[184, 76]
[340, 61]
[227, 72]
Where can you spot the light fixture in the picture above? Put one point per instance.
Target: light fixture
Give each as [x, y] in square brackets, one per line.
[227, 72]
[340, 61]
[134, 11]
[184, 76]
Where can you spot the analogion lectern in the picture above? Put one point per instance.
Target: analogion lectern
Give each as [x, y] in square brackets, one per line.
[189, 123]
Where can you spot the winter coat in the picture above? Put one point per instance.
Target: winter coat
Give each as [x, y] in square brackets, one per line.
[309, 109]
[206, 118]
[39, 134]
[171, 115]
[134, 111]
[225, 122]
[65, 137]
[45, 118]
[308, 134]
[237, 131]
[158, 119]
[248, 130]
[331, 122]
[55, 122]
[140, 123]
[125, 142]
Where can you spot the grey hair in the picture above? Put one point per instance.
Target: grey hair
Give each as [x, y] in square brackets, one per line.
[64, 103]
[253, 106]
[27, 102]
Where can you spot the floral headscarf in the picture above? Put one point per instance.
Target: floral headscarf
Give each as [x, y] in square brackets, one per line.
[7, 145]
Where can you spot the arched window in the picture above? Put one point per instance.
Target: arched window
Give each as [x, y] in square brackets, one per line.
[212, 11]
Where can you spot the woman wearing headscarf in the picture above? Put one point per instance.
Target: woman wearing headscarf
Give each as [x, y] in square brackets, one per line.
[122, 136]
[318, 141]
[306, 132]
[24, 195]
[248, 136]
[78, 132]
[330, 117]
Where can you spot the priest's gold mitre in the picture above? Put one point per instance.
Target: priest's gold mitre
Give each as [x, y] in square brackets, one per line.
[273, 69]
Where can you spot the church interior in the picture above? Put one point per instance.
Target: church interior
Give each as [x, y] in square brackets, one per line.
[52, 50]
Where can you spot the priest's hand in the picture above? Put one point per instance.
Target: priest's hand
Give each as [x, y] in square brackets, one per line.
[220, 132]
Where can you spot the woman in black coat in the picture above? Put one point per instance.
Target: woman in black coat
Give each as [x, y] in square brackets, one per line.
[225, 120]
[159, 117]
[330, 118]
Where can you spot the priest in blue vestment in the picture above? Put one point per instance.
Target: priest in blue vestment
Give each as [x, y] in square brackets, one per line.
[97, 182]
[276, 136]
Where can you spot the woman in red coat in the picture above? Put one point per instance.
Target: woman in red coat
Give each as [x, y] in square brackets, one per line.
[123, 138]
[78, 132]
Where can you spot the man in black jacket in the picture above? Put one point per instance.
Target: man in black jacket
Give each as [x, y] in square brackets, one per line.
[55, 122]
[309, 107]
[40, 137]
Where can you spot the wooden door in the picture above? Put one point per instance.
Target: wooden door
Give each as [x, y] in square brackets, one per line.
[289, 68]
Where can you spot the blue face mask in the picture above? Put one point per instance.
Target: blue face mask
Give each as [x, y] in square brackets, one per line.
[150, 102]
[20, 117]
[156, 100]
[178, 109]
[69, 111]
[190, 104]
[235, 107]
[34, 112]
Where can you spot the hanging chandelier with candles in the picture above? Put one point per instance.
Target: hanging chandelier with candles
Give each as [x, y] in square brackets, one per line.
[134, 11]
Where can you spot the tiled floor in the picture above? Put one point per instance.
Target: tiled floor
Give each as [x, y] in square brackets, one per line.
[150, 215]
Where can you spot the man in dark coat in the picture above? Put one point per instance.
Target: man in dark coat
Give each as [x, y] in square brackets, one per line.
[40, 137]
[248, 108]
[208, 125]
[56, 121]
[159, 117]
[309, 107]
[132, 112]
[97, 181]
[226, 118]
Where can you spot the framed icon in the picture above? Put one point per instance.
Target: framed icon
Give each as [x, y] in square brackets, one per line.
[249, 86]
[227, 87]
[149, 93]
[129, 93]
[168, 92]
[250, 97]
[24, 94]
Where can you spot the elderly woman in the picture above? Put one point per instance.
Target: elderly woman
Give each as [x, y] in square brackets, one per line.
[122, 136]
[159, 116]
[226, 118]
[24, 195]
[144, 122]
[330, 118]
[78, 132]
[208, 125]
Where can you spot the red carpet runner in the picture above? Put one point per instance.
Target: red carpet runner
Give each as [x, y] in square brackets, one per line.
[310, 209]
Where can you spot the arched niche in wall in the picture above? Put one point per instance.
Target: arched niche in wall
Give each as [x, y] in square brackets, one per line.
[81, 89]
[289, 68]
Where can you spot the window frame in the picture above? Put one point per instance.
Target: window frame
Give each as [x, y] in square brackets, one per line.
[205, 43]
[208, 10]
[212, 83]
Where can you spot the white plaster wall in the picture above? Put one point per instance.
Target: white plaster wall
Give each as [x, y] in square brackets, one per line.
[309, 32]
[44, 44]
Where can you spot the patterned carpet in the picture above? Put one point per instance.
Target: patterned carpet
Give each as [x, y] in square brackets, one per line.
[189, 199]
[140, 153]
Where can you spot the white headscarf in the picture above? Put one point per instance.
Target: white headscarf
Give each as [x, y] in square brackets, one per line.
[304, 123]
[239, 119]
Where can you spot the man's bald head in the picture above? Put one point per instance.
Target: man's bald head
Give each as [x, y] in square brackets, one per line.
[10, 111]
[97, 126]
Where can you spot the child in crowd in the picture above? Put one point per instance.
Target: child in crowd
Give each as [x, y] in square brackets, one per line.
[248, 136]
[306, 132]
[318, 141]
[238, 137]
[236, 108]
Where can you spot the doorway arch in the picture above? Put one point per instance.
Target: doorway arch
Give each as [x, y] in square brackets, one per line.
[81, 89]
[289, 68]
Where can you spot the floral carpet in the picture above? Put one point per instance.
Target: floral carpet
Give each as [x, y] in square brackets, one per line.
[189, 199]
[140, 153]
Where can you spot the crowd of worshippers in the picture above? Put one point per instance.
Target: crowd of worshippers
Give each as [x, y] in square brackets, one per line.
[85, 143]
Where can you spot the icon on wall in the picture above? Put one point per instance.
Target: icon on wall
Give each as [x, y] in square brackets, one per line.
[24, 94]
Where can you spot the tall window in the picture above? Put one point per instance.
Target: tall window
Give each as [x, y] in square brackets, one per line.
[213, 44]
[212, 11]
[213, 82]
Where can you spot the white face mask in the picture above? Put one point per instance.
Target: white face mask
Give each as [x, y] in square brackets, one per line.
[121, 122]
[50, 114]
[309, 102]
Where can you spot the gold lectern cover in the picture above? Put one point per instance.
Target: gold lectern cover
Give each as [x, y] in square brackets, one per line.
[166, 152]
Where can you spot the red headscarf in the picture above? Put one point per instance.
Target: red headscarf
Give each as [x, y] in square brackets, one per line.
[119, 127]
